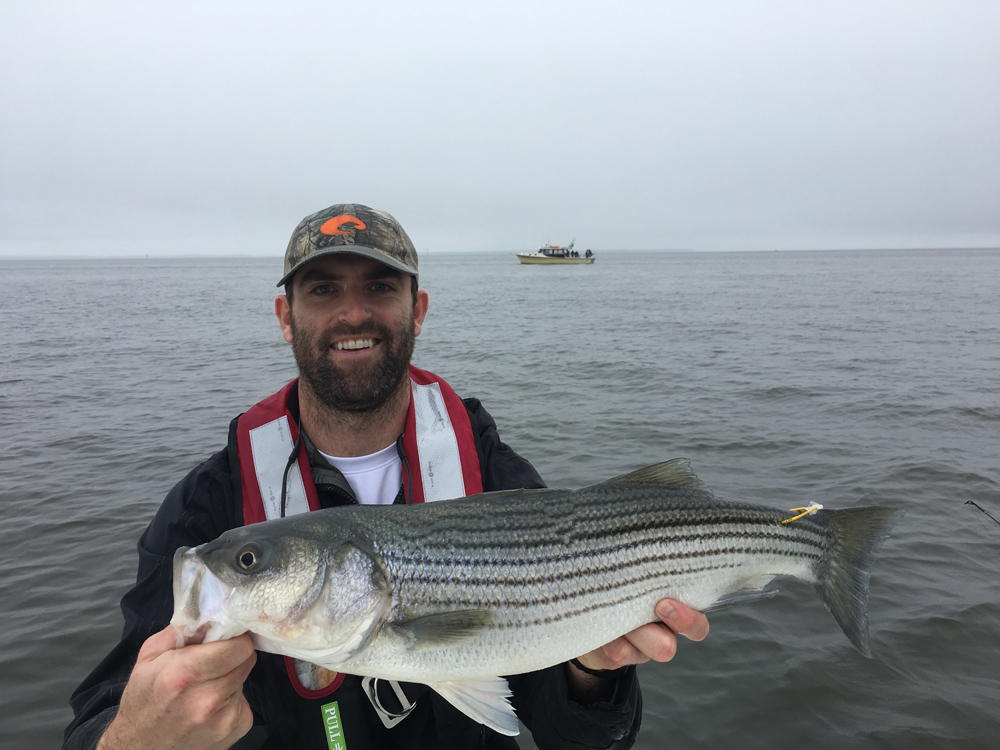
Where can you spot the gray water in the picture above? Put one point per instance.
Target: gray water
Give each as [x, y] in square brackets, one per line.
[843, 378]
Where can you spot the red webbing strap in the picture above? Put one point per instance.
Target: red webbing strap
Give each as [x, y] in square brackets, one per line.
[468, 454]
[271, 408]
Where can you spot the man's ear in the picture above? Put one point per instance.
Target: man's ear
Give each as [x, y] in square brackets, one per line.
[419, 311]
[283, 310]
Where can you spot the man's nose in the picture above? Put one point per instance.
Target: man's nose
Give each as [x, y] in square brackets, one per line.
[355, 308]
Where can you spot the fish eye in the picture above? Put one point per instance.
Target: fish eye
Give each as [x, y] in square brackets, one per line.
[248, 558]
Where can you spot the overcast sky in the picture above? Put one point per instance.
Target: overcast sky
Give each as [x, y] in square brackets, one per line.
[154, 127]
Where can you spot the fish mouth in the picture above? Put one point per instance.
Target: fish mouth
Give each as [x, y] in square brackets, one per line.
[199, 601]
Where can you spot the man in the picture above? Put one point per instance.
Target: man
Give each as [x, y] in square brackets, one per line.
[359, 425]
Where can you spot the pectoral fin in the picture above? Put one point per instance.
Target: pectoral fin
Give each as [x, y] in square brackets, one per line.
[443, 629]
[483, 700]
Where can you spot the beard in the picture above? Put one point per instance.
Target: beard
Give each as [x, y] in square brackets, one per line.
[356, 389]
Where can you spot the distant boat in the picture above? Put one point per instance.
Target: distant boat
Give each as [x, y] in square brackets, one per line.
[556, 255]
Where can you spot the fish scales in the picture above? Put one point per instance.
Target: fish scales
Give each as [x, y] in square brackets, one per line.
[454, 593]
[560, 565]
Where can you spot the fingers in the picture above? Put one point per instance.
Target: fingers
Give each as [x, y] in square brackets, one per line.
[231, 683]
[181, 697]
[631, 648]
[654, 641]
[220, 658]
[683, 620]
[210, 672]
[215, 709]
[619, 653]
[157, 644]
[217, 706]
[659, 642]
[212, 660]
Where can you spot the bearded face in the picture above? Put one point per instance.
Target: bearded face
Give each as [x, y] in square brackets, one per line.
[354, 386]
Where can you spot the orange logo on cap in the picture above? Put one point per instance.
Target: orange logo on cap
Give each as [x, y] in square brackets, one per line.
[343, 224]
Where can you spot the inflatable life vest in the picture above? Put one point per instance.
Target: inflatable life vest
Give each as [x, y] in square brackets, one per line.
[437, 438]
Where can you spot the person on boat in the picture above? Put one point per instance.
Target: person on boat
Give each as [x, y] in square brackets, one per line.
[351, 421]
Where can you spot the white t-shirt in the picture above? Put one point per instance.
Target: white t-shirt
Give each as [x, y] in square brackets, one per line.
[375, 478]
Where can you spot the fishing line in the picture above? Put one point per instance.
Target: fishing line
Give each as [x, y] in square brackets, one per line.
[971, 502]
[291, 460]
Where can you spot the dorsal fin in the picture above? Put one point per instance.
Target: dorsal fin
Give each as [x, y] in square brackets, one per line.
[674, 473]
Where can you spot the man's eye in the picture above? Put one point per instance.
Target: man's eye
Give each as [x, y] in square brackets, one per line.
[381, 286]
[323, 289]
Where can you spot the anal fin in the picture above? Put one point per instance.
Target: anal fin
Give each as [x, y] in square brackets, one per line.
[740, 597]
[483, 700]
[749, 592]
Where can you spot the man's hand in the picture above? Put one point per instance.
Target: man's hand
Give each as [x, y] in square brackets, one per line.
[190, 697]
[654, 641]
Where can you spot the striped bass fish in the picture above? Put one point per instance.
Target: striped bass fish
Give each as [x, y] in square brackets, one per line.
[454, 593]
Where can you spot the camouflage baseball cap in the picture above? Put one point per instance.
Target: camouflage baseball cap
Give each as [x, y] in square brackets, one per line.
[350, 228]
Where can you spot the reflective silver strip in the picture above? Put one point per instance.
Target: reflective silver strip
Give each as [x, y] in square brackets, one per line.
[389, 719]
[271, 445]
[440, 462]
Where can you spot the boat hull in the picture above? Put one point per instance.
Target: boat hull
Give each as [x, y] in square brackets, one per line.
[533, 259]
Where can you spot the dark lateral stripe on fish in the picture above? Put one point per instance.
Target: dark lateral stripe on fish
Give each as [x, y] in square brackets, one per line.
[455, 558]
[608, 525]
[665, 526]
[442, 577]
[559, 616]
[581, 504]
[611, 528]
[563, 596]
[569, 615]
[619, 568]
[651, 534]
[790, 547]
[621, 524]
[439, 573]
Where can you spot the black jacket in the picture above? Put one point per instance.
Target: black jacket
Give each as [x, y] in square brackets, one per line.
[208, 502]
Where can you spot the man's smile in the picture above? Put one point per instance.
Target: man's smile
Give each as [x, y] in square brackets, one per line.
[352, 344]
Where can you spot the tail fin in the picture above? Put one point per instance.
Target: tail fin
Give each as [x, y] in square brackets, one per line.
[844, 572]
